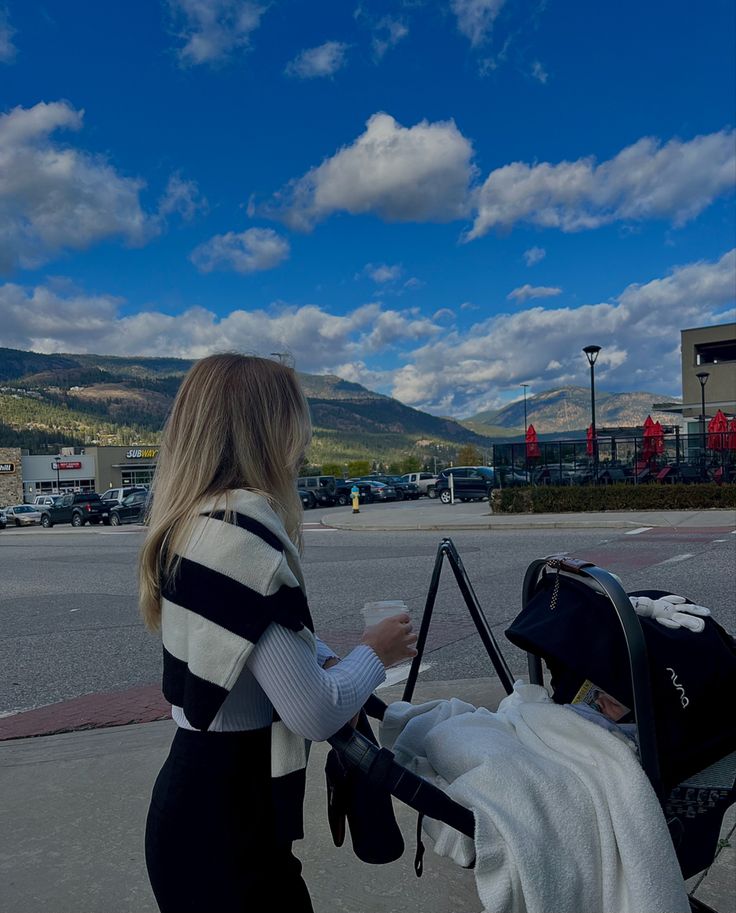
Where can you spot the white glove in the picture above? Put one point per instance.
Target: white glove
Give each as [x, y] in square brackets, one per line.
[671, 611]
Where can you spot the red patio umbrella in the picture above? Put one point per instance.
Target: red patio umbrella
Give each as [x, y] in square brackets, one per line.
[532, 444]
[732, 435]
[717, 432]
[658, 438]
[649, 446]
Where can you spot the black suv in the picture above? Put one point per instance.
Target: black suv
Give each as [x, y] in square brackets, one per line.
[470, 483]
[322, 489]
[132, 509]
[76, 508]
[405, 491]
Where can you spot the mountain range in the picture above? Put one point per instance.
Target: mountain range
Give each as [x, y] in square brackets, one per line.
[50, 400]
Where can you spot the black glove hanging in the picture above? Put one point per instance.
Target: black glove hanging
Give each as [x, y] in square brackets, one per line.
[367, 806]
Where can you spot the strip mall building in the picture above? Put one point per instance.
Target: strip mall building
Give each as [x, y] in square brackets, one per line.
[93, 469]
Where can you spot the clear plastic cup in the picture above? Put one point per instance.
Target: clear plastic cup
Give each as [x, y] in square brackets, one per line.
[374, 612]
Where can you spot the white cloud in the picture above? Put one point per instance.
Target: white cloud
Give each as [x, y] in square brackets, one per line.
[383, 272]
[534, 255]
[247, 252]
[387, 33]
[539, 73]
[526, 292]
[324, 60]
[463, 372]
[445, 370]
[59, 318]
[426, 173]
[475, 18]
[413, 283]
[444, 314]
[402, 174]
[213, 29]
[8, 51]
[182, 197]
[55, 198]
[644, 181]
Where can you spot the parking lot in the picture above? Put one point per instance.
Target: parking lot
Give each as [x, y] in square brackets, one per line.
[70, 626]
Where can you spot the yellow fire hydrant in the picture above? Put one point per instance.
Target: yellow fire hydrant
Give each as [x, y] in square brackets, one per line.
[355, 497]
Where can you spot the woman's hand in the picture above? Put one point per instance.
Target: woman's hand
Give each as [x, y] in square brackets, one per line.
[391, 639]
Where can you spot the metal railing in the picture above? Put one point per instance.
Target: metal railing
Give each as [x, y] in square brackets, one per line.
[672, 457]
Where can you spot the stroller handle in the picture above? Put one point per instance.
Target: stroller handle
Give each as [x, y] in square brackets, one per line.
[378, 766]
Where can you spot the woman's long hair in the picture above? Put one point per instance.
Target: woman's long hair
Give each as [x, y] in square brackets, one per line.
[238, 421]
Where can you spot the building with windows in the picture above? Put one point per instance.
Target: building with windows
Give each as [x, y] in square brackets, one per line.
[91, 469]
[711, 351]
[11, 476]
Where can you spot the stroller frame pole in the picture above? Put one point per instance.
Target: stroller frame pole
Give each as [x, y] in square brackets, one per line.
[447, 550]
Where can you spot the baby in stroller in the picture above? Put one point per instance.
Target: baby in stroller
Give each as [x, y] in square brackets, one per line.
[565, 815]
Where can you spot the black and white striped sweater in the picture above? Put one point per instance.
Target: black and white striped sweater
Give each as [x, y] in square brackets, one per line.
[235, 579]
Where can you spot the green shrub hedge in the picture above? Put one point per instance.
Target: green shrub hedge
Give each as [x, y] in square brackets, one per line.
[566, 498]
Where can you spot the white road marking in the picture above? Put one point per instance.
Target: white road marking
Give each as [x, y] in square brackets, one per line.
[719, 540]
[400, 674]
[676, 558]
[635, 532]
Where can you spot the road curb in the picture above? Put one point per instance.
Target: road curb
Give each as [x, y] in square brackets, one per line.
[142, 704]
[445, 527]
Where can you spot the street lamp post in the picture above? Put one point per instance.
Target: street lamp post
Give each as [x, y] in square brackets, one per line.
[591, 353]
[703, 378]
[526, 455]
[55, 465]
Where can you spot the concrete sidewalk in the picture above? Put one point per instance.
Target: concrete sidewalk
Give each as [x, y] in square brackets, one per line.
[74, 805]
[433, 515]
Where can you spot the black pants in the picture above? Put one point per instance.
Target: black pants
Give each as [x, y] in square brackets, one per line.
[210, 845]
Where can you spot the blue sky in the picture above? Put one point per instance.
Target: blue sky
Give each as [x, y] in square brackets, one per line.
[440, 200]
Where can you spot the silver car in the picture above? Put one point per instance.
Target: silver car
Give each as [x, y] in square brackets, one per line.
[23, 515]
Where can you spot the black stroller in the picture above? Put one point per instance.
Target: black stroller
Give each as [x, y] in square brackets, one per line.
[690, 763]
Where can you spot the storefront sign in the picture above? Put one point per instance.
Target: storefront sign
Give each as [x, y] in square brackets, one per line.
[66, 464]
[145, 453]
[7, 467]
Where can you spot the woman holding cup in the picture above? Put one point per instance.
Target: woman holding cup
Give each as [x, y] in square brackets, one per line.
[249, 682]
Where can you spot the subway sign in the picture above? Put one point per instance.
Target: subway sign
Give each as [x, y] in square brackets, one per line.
[142, 453]
[7, 467]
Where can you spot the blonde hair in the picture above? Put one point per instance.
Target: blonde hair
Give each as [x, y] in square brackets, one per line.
[238, 421]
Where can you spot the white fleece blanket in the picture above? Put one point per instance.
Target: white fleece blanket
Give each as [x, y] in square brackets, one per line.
[565, 819]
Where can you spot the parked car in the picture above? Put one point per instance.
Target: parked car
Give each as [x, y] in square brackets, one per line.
[77, 508]
[132, 510]
[344, 491]
[3, 521]
[371, 490]
[41, 501]
[322, 488]
[426, 481]
[114, 496]
[470, 483]
[117, 495]
[22, 515]
[308, 499]
[404, 490]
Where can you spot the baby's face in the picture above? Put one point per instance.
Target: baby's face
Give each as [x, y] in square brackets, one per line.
[610, 707]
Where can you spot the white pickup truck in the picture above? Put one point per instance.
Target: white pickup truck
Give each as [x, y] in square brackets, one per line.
[425, 480]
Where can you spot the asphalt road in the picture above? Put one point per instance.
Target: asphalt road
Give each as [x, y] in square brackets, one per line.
[69, 624]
